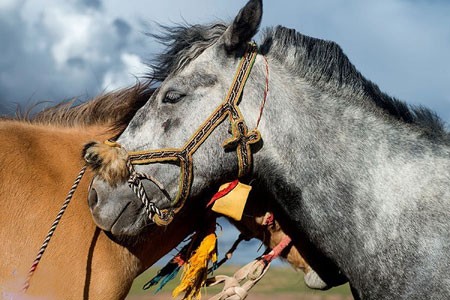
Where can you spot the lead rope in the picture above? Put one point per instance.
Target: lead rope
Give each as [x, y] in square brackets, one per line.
[238, 286]
[52, 229]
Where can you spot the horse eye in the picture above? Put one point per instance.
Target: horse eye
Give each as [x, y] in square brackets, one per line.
[172, 97]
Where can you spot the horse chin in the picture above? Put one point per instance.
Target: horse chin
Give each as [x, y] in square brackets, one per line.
[129, 226]
[129, 234]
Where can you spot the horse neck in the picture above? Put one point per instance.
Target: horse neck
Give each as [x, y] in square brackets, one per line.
[39, 164]
[81, 260]
[335, 164]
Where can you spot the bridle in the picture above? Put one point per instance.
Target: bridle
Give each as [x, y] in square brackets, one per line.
[241, 142]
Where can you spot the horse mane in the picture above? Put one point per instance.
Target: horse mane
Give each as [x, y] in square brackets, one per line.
[114, 109]
[321, 62]
[324, 64]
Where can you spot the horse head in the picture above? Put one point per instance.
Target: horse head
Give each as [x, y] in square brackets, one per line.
[170, 121]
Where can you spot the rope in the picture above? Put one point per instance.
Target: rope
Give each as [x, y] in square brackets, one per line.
[238, 286]
[229, 253]
[52, 229]
[266, 92]
[136, 185]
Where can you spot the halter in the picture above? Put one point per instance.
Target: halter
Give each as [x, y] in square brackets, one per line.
[240, 141]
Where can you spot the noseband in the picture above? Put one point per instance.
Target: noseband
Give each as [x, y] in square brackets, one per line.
[240, 141]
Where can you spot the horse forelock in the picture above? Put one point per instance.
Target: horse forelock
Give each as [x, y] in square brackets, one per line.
[324, 64]
[183, 44]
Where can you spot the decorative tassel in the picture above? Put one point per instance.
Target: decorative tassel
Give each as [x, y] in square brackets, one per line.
[195, 271]
[168, 278]
[230, 199]
[169, 271]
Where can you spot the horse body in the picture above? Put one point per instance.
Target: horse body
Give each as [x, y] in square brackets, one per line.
[366, 187]
[39, 162]
[369, 190]
[372, 195]
[359, 174]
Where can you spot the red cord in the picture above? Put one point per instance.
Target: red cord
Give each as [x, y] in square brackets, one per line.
[223, 192]
[276, 251]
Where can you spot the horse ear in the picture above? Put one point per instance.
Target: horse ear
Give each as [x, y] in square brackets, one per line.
[244, 26]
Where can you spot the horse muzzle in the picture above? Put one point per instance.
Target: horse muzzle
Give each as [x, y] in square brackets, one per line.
[116, 209]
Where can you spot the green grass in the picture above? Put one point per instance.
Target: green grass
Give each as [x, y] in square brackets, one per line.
[278, 280]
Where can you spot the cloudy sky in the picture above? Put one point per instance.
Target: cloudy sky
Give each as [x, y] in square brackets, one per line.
[54, 50]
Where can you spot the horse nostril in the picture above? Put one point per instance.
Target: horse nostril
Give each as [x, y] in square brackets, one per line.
[92, 198]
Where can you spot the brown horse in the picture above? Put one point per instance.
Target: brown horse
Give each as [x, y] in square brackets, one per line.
[39, 160]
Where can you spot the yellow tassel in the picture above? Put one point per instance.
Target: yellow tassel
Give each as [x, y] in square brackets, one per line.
[195, 271]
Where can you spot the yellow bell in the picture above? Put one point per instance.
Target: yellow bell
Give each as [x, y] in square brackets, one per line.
[231, 200]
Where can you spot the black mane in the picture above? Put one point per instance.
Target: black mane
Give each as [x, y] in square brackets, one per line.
[325, 65]
[321, 62]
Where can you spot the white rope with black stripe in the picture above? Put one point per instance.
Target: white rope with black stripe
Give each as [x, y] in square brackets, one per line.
[135, 183]
[52, 229]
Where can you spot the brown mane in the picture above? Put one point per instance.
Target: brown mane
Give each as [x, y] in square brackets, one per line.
[114, 109]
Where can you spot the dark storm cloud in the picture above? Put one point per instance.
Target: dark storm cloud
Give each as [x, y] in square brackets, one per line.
[64, 52]
[96, 4]
[122, 27]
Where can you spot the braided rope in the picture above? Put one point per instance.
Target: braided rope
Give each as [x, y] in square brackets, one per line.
[136, 185]
[238, 286]
[52, 229]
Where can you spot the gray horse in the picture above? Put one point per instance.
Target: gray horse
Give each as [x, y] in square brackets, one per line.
[360, 175]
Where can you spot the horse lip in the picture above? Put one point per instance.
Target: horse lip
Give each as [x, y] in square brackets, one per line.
[118, 216]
